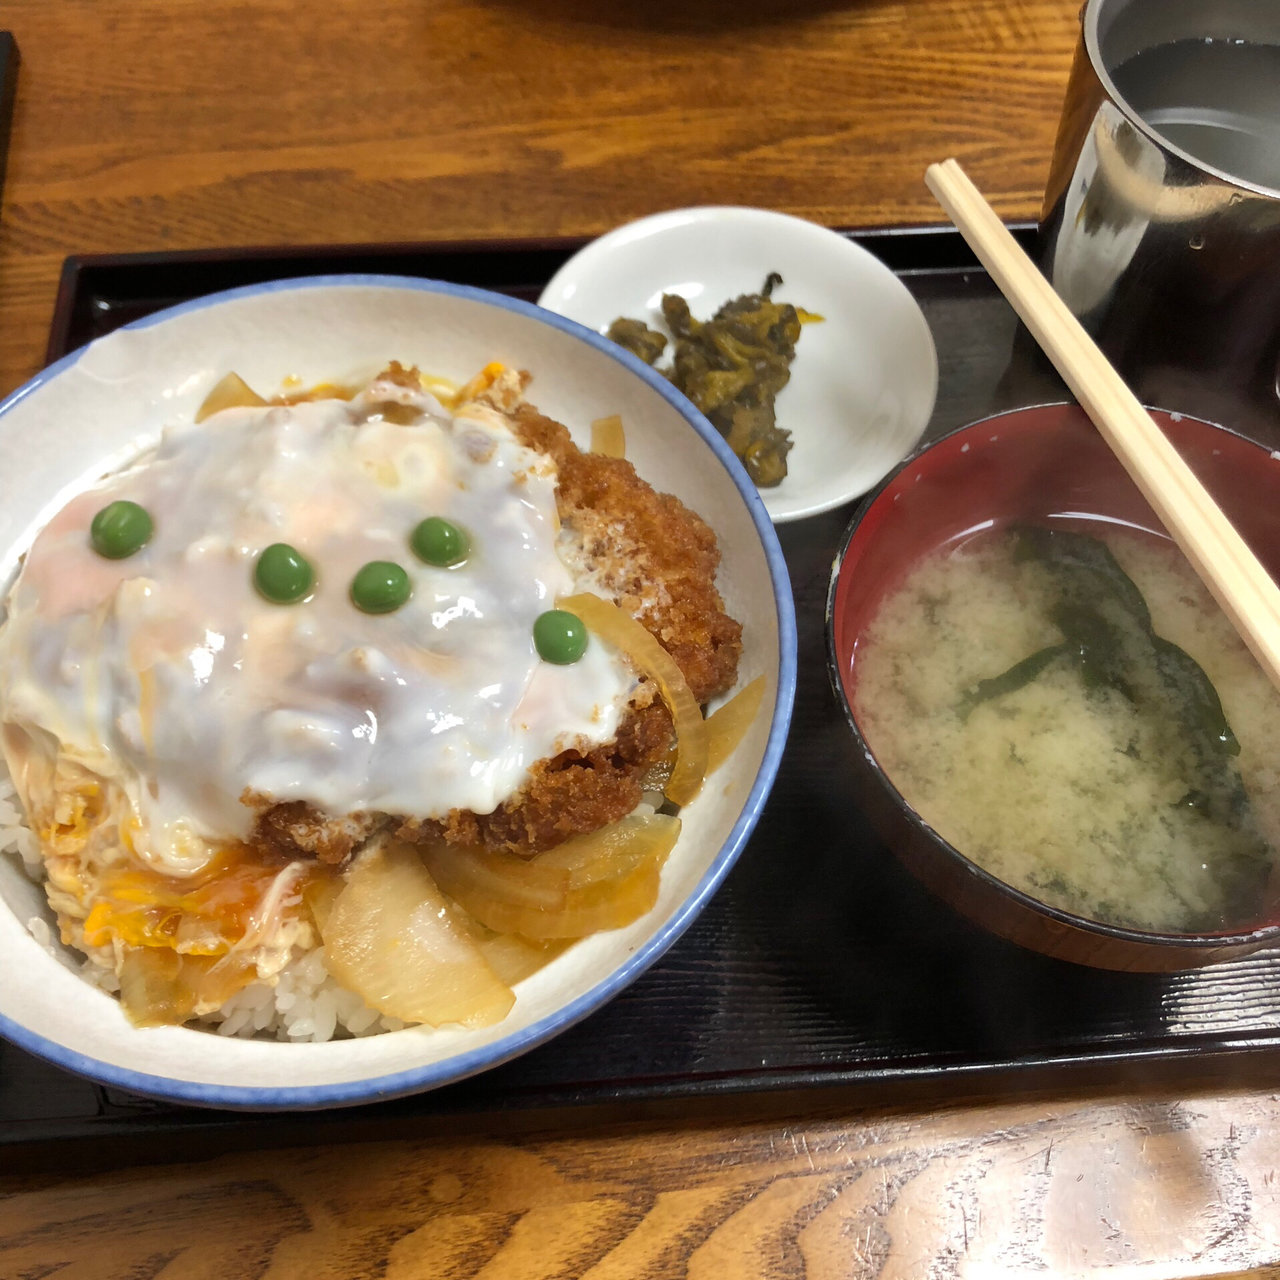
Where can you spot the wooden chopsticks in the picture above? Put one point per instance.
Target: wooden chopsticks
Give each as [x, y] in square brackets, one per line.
[1210, 542]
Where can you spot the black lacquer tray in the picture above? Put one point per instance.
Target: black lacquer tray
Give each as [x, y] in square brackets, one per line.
[821, 972]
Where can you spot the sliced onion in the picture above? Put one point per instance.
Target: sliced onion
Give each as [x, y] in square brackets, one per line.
[393, 938]
[213, 981]
[151, 990]
[493, 873]
[610, 623]
[320, 893]
[609, 437]
[609, 904]
[614, 878]
[514, 958]
[615, 850]
[158, 987]
[728, 724]
[233, 392]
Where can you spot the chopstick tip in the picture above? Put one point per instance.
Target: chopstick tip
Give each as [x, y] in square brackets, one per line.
[940, 171]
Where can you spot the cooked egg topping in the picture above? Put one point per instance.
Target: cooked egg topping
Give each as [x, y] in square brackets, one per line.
[169, 673]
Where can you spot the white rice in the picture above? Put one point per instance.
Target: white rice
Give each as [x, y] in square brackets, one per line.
[303, 1002]
[15, 836]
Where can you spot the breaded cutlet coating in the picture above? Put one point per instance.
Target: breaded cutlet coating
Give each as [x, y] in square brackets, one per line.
[650, 553]
[657, 560]
[569, 795]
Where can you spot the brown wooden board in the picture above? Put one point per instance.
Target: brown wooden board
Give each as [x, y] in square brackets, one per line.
[820, 969]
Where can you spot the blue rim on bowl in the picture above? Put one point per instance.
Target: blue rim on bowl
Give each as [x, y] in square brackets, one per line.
[460, 1065]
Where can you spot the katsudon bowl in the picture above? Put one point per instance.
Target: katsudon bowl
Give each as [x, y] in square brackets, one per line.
[1004, 787]
[94, 411]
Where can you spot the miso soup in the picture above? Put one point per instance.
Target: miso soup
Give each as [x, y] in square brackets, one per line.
[1076, 715]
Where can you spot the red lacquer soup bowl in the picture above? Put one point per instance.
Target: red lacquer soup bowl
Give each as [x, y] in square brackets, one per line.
[1041, 466]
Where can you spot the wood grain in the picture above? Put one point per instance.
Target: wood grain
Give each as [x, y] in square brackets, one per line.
[1163, 1186]
[152, 124]
[159, 124]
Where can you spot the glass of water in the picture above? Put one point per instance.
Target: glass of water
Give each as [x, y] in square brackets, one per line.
[1161, 224]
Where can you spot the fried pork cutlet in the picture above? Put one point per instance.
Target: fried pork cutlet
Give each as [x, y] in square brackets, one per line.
[654, 557]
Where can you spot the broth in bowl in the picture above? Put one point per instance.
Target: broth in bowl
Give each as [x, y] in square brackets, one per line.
[1074, 712]
[1059, 730]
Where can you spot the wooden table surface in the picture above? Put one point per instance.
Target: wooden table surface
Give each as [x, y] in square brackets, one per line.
[164, 124]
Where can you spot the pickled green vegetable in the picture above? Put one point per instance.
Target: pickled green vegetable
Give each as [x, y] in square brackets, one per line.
[638, 338]
[732, 368]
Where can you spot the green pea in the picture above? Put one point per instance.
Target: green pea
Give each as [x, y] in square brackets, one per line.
[381, 586]
[120, 529]
[283, 575]
[559, 636]
[436, 541]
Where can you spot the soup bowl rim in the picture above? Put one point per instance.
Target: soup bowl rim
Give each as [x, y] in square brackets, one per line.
[992, 885]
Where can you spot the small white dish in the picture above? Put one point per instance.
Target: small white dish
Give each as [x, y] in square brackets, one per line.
[863, 382]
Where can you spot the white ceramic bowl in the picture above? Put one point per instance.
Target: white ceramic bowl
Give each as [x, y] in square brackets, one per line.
[863, 382]
[99, 406]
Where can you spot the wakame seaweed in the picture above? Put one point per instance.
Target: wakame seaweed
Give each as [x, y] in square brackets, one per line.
[1109, 639]
[1018, 676]
[1107, 627]
[732, 368]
